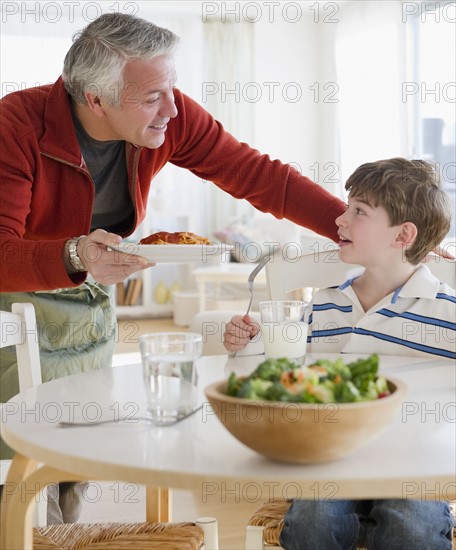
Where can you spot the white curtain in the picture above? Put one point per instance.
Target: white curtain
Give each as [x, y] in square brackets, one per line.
[229, 60]
[371, 62]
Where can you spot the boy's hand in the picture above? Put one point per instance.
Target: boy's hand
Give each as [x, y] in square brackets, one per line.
[239, 331]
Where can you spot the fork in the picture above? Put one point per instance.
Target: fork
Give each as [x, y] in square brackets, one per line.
[250, 280]
[125, 420]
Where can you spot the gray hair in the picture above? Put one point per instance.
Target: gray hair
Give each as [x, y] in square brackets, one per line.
[97, 58]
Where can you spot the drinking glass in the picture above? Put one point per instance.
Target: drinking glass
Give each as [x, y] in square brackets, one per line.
[284, 329]
[170, 377]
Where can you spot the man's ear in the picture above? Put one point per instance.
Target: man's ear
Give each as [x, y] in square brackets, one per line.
[407, 234]
[94, 104]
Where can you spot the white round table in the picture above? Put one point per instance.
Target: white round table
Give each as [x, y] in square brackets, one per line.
[412, 458]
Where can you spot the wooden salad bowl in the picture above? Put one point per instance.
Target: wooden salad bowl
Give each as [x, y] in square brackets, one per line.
[302, 432]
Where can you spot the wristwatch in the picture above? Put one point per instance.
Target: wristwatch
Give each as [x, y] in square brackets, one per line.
[74, 258]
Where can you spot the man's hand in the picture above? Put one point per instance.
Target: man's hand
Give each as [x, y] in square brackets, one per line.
[444, 252]
[238, 333]
[108, 266]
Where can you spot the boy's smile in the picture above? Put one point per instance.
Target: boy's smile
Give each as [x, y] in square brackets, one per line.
[343, 241]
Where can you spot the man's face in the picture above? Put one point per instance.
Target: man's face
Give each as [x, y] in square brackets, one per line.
[146, 102]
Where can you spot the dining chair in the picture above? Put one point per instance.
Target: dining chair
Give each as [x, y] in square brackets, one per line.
[18, 328]
[322, 269]
[118, 536]
[264, 527]
[310, 272]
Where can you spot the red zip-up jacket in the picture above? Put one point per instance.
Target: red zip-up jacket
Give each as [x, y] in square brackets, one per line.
[47, 194]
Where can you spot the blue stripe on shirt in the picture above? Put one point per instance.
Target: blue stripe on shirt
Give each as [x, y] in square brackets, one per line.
[418, 318]
[401, 342]
[443, 296]
[331, 305]
[331, 332]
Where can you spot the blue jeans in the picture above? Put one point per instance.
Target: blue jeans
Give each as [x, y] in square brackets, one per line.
[378, 524]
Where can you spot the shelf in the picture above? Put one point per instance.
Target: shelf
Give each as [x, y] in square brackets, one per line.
[151, 310]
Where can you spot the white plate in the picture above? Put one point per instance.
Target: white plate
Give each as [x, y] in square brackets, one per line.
[174, 253]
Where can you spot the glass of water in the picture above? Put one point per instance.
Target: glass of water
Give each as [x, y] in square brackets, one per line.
[170, 377]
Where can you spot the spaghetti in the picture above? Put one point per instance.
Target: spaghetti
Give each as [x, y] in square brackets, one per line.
[179, 237]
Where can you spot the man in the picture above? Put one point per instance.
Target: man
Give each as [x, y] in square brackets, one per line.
[77, 159]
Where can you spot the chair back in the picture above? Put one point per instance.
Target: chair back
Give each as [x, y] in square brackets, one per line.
[324, 269]
[18, 328]
[443, 269]
[211, 325]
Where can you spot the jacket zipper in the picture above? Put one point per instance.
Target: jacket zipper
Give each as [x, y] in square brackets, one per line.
[78, 168]
[87, 173]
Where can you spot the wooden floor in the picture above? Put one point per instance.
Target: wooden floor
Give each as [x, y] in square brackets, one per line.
[129, 331]
[120, 501]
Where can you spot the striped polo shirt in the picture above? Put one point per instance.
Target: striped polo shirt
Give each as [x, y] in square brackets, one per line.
[418, 319]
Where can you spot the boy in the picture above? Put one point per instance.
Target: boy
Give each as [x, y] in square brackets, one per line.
[396, 214]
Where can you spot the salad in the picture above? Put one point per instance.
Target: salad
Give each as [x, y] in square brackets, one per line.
[324, 381]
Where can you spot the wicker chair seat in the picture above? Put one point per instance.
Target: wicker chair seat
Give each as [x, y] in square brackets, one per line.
[271, 515]
[118, 536]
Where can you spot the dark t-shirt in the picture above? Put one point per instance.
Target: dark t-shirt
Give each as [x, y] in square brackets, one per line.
[106, 162]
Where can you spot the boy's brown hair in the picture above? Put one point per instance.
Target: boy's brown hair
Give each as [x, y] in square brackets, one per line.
[410, 191]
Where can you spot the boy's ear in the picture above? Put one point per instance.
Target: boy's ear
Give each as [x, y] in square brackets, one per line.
[407, 234]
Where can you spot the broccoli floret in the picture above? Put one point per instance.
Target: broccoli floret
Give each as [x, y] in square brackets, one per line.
[234, 383]
[271, 369]
[278, 392]
[254, 388]
[306, 397]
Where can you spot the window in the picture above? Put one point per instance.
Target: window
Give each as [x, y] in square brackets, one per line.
[433, 91]
[396, 68]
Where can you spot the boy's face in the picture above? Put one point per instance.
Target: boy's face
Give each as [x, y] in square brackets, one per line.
[366, 235]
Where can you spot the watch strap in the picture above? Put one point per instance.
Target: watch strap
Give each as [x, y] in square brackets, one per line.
[73, 255]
